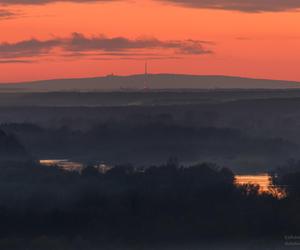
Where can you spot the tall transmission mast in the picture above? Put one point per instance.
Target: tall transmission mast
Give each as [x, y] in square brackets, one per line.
[146, 76]
[146, 68]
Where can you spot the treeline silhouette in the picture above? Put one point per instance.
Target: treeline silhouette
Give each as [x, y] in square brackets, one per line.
[288, 177]
[151, 143]
[11, 148]
[160, 204]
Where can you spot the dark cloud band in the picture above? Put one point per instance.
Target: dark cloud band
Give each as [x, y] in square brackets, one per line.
[27, 48]
[15, 61]
[79, 45]
[79, 42]
[37, 2]
[241, 5]
[6, 14]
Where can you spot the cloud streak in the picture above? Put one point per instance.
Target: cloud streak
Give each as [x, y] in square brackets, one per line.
[6, 14]
[79, 45]
[27, 48]
[250, 6]
[15, 61]
[79, 42]
[40, 2]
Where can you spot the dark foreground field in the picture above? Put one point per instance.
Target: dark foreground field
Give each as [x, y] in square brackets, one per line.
[169, 176]
[168, 206]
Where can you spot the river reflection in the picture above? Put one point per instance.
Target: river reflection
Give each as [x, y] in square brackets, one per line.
[63, 164]
[68, 165]
[263, 180]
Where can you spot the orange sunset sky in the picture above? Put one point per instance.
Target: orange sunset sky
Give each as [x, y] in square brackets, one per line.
[43, 39]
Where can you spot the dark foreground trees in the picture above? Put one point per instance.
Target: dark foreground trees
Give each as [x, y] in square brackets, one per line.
[130, 206]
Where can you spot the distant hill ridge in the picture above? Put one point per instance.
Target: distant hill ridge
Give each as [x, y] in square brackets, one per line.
[151, 81]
